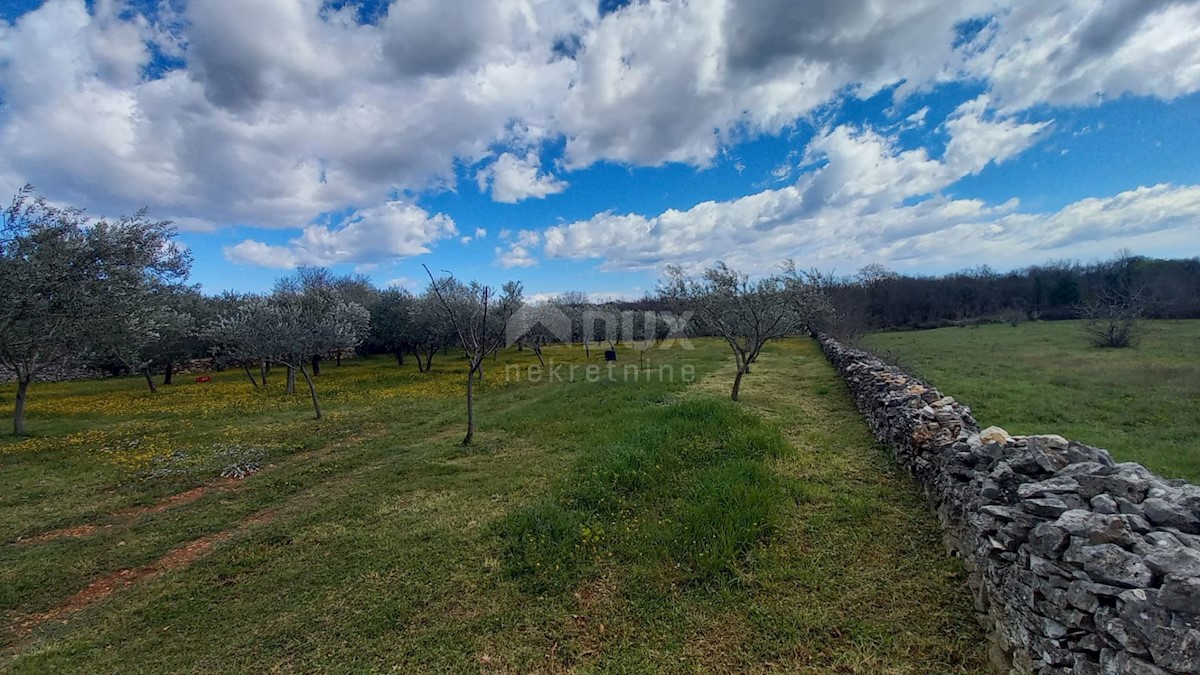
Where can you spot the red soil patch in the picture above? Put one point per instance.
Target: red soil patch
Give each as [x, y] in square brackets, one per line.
[105, 586]
[77, 532]
[131, 513]
[179, 499]
[264, 516]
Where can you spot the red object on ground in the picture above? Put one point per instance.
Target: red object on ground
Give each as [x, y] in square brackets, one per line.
[204, 378]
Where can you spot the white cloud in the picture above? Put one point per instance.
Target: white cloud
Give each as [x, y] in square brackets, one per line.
[869, 200]
[394, 230]
[528, 237]
[976, 139]
[515, 256]
[406, 283]
[1079, 52]
[520, 249]
[1145, 218]
[329, 115]
[513, 179]
[918, 118]
[634, 293]
[320, 117]
[756, 232]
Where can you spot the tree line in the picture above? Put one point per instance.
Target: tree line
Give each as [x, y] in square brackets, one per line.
[113, 294]
[876, 298]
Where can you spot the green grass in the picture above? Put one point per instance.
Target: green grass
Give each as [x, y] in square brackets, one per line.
[1142, 404]
[595, 526]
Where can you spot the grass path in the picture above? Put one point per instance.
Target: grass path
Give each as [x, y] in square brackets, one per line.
[857, 579]
[377, 544]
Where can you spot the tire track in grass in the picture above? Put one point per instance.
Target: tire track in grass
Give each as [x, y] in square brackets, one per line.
[177, 558]
[130, 514]
[127, 515]
[185, 554]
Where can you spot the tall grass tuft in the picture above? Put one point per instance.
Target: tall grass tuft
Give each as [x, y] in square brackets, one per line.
[541, 546]
[680, 488]
[731, 508]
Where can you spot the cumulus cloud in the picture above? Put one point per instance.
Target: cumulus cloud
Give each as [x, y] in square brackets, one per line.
[1077, 52]
[394, 230]
[513, 179]
[869, 199]
[520, 250]
[332, 114]
[1143, 218]
[515, 256]
[755, 232]
[271, 132]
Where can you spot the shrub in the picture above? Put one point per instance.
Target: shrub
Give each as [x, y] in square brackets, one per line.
[1112, 318]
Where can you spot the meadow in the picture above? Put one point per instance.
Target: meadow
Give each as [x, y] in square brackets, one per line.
[623, 525]
[1142, 403]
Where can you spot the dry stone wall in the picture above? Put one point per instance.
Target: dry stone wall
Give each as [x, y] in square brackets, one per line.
[1078, 564]
[55, 374]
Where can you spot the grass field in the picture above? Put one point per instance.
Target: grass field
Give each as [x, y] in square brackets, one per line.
[1142, 404]
[621, 526]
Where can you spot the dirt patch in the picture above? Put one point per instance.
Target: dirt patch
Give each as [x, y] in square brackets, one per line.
[264, 516]
[131, 513]
[179, 499]
[105, 586]
[101, 588]
[75, 532]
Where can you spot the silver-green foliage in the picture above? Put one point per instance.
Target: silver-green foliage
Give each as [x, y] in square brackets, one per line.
[73, 285]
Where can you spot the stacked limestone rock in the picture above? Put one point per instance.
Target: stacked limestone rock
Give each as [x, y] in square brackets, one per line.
[60, 373]
[1078, 564]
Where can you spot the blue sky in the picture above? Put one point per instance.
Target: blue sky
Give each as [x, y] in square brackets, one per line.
[585, 146]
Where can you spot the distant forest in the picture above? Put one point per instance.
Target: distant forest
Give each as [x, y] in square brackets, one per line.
[877, 298]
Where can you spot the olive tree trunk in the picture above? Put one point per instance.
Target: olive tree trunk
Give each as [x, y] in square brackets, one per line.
[19, 408]
[737, 383]
[149, 380]
[312, 390]
[470, 404]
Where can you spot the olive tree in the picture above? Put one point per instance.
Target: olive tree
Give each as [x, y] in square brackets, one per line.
[319, 290]
[70, 283]
[431, 329]
[392, 323]
[288, 329]
[480, 320]
[746, 314]
[541, 324]
[150, 335]
[575, 304]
